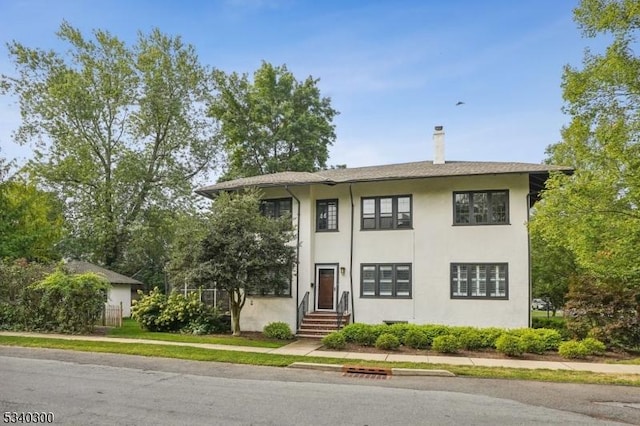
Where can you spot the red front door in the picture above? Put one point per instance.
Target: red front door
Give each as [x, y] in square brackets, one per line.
[326, 281]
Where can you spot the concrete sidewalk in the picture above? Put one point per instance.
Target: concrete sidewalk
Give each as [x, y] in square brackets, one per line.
[309, 347]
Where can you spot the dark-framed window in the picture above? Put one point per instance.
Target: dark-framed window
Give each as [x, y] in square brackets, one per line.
[479, 280]
[385, 280]
[481, 207]
[326, 215]
[276, 207]
[389, 212]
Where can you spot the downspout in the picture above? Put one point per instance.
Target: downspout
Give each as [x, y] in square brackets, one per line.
[529, 319]
[286, 188]
[353, 314]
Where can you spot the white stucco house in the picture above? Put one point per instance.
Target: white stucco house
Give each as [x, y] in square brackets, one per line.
[121, 285]
[438, 242]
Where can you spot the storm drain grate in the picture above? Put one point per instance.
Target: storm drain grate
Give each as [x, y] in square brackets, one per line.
[366, 372]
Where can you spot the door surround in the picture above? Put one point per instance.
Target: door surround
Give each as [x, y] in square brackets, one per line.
[322, 301]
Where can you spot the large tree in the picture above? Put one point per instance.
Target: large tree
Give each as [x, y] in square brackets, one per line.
[5, 168]
[243, 251]
[272, 124]
[31, 223]
[552, 268]
[595, 212]
[117, 130]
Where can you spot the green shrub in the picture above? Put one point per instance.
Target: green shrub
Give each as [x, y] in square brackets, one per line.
[446, 344]
[10, 316]
[64, 303]
[434, 330]
[469, 338]
[606, 309]
[573, 349]
[509, 344]
[517, 331]
[351, 331]
[17, 275]
[387, 341]
[379, 329]
[148, 308]
[361, 334]
[335, 340]
[157, 312]
[554, 323]
[532, 342]
[416, 338]
[594, 346]
[551, 337]
[178, 311]
[489, 335]
[278, 330]
[400, 329]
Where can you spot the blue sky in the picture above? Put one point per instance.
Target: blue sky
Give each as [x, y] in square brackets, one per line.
[393, 69]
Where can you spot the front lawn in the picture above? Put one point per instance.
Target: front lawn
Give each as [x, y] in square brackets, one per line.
[131, 329]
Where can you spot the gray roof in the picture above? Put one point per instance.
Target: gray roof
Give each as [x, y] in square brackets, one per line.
[414, 170]
[80, 267]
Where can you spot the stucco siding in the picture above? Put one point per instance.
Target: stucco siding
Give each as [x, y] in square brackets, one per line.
[435, 243]
[262, 310]
[430, 246]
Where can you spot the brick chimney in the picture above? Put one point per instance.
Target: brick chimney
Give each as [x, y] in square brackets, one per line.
[438, 145]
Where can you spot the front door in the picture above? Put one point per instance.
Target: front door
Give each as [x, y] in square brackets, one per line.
[326, 279]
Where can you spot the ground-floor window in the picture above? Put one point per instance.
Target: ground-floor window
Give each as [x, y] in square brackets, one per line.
[479, 280]
[385, 280]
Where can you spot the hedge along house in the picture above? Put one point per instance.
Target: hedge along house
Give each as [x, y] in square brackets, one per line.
[442, 242]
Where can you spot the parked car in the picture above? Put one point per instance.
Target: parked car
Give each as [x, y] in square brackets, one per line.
[540, 305]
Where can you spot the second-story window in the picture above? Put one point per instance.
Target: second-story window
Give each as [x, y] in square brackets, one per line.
[481, 208]
[276, 208]
[326, 215]
[393, 212]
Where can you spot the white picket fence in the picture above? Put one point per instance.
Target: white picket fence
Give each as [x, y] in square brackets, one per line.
[112, 315]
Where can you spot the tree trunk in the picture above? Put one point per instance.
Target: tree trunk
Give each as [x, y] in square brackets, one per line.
[235, 308]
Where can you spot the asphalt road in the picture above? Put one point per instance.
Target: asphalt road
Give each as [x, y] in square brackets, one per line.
[84, 388]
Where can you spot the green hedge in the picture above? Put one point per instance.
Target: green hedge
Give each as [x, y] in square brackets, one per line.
[454, 338]
[64, 303]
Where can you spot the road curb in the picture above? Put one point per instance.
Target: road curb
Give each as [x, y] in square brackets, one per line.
[421, 372]
[338, 368]
[314, 366]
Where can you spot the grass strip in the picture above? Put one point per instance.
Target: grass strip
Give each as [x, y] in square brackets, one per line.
[131, 329]
[200, 354]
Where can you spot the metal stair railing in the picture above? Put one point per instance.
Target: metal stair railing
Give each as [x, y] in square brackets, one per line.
[343, 306]
[303, 308]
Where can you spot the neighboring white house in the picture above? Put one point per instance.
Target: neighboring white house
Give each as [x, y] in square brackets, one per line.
[121, 285]
[422, 242]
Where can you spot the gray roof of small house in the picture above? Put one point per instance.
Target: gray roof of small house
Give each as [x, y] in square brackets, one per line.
[81, 267]
[414, 170]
